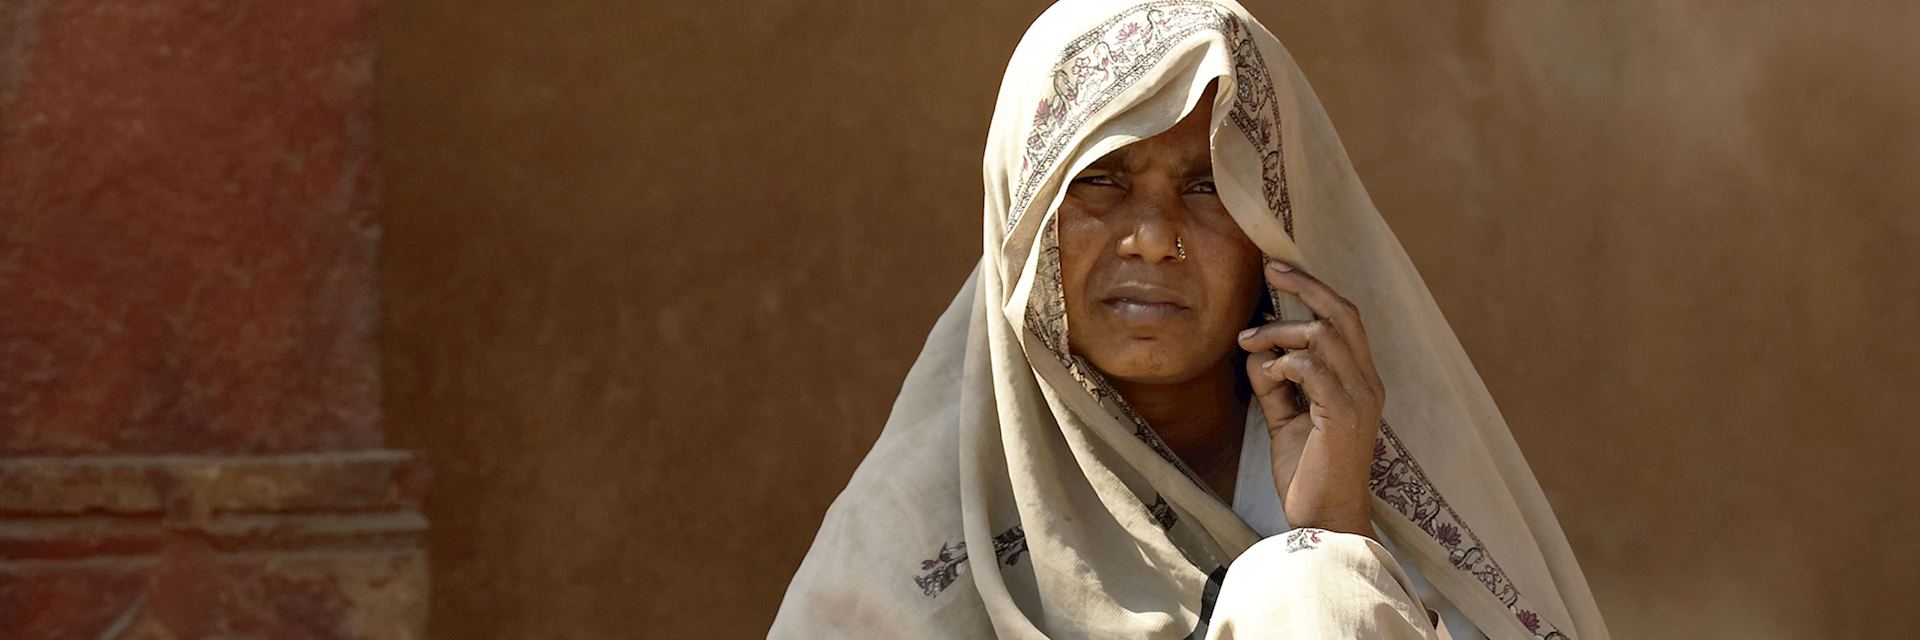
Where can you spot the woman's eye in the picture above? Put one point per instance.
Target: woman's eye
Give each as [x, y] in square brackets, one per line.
[1097, 181]
[1203, 187]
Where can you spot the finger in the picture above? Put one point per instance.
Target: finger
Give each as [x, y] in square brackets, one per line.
[1319, 336]
[1280, 334]
[1276, 395]
[1323, 301]
[1331, 307]
[1311, 373]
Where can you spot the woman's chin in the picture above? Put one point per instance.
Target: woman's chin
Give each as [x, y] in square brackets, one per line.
[1149, 364]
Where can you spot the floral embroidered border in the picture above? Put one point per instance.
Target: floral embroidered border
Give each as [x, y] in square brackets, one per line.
[945, 567]
[1010, 545]
[942, 569]
[1102, 63]
[1397, 479]
[1303, 539]
[1162, 513]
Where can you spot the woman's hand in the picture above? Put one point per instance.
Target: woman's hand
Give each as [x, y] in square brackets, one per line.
[1321, 455]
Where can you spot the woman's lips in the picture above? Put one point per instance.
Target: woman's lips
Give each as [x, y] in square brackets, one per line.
[1144, 305]
[1135, 312]
[1145, 293]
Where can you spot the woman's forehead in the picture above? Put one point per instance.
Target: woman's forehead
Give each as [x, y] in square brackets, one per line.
[1182, 150]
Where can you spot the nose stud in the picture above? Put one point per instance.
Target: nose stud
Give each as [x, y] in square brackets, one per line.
[1180, 249]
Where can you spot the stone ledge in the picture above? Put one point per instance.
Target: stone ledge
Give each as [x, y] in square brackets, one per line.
[195, 488]
[71, 538]
[190, 591]
[321, 545]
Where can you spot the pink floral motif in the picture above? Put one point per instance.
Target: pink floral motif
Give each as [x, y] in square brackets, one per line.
[1302, 539]
[1530, 619]
[1447, 534]
[945, 556]
[943, 569]
[1132, 29]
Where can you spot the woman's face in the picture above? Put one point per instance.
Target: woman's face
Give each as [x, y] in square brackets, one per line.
[1135, 308]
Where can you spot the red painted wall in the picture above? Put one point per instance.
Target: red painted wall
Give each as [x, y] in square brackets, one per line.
[190, 433]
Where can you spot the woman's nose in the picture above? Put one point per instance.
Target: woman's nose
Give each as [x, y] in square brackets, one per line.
[1152, 239]
[1154, 235]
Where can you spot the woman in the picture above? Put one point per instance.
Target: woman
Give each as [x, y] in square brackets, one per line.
[1141, 417]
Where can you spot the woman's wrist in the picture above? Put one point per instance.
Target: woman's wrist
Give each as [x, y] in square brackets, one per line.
[1357, 521]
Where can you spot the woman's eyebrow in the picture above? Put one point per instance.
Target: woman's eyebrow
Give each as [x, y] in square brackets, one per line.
[1109, 161]
[1198, 165]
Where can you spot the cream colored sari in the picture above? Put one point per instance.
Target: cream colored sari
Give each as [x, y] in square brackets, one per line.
[1013, 494]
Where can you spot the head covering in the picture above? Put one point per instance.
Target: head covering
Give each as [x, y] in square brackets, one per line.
[1013, 493]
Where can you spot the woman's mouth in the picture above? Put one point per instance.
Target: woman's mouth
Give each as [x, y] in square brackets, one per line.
[1144, 305]
[1139, 312]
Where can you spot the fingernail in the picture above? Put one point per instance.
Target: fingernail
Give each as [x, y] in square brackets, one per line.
[1280, 266]
[1269, 364]
[1248, 333]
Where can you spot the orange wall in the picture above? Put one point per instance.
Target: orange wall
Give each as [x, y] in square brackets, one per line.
[652, 273]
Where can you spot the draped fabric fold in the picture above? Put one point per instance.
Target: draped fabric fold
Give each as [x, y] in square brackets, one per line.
[1013, 493]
